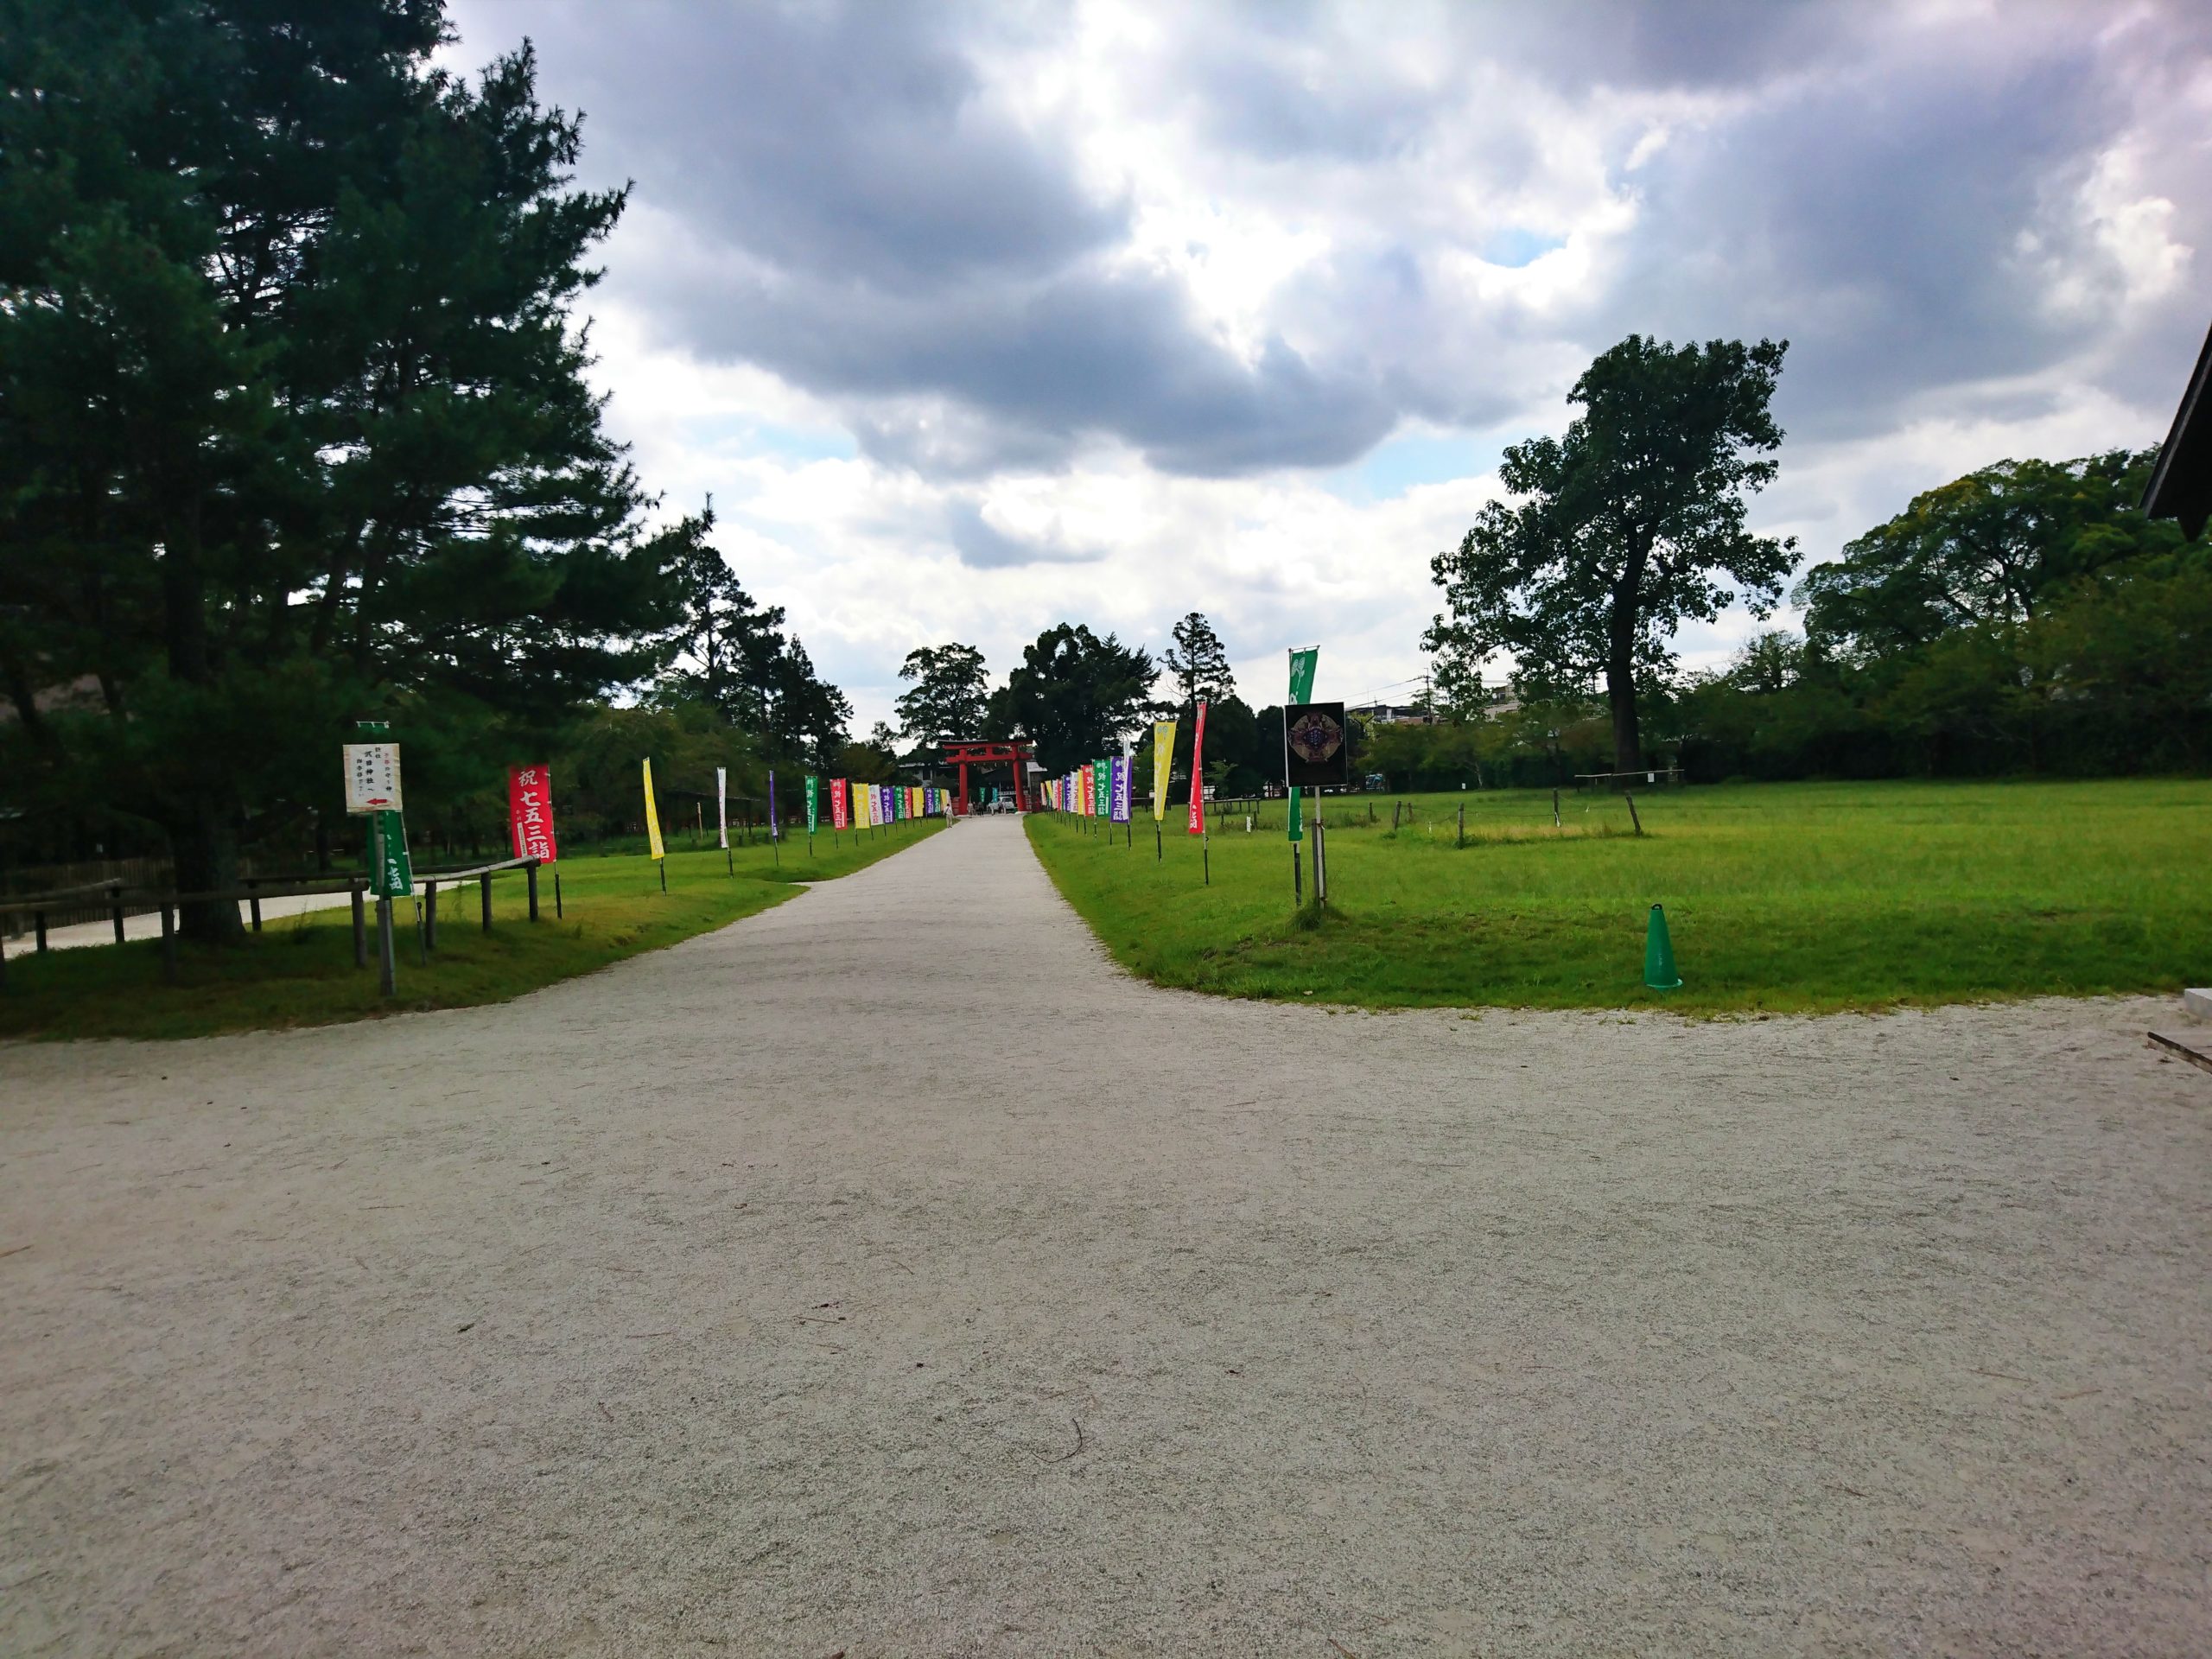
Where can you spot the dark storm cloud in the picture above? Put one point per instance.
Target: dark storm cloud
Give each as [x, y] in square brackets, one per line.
[845, 195]
[1091, 353]
[984, 548]
[1882, 224]
[849, 141]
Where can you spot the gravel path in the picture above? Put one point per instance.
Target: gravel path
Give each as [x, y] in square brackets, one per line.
[886, 1274]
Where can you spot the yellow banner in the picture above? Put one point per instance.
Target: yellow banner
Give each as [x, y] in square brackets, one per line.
[653, 816]
[1163, 763]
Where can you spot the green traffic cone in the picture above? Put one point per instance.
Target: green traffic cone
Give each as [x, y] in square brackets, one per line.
[1659, 955]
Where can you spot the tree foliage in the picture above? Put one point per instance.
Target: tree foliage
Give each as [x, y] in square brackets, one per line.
[1077, 696]
[947, 698]
[734, 656]
[1993, 547]
[1626, 527]
[1198, 664]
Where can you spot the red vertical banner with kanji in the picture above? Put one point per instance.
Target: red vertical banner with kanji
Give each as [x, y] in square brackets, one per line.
[1198, 774]
[530, 813]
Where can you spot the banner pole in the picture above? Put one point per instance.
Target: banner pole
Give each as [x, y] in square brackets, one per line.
[387, 959]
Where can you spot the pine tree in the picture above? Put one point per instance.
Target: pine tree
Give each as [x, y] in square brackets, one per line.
[294, 425]
[1199, 662]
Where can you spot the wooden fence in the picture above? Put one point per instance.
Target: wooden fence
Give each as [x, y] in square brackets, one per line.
[116, 899]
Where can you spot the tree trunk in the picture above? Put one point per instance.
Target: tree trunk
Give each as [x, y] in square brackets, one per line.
[205, 845]
[202, 833]
[1620, 687]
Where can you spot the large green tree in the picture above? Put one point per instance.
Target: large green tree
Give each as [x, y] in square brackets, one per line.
[1995, 546]
[947, 696]
[1076, 696]
[293, 422]
[1626, 528]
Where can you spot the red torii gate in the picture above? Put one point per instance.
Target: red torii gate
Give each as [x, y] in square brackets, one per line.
[964, 754]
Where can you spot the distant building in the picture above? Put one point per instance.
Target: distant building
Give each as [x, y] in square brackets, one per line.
[2181, 484]
[1390, 713]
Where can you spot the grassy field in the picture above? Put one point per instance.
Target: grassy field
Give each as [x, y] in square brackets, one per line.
[1784, 896]
[300, 971]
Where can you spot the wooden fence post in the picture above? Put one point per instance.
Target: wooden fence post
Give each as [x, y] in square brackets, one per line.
[115, 893]
[168, 944]
[361, 929]
[253, 899]
[38, 925]
[387, 969]
[1632, 818]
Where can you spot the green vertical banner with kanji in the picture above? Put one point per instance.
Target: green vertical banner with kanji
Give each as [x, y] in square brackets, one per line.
[391, 873]
[1301, 690]
[813, 804]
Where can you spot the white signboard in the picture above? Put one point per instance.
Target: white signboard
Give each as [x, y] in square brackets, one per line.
[372, 778]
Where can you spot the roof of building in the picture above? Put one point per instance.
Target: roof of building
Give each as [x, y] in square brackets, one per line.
[2181, 484]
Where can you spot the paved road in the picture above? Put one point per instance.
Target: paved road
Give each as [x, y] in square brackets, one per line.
[886, 1275]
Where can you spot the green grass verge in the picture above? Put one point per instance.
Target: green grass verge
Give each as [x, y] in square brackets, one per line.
[1782, 896]
[299, 971]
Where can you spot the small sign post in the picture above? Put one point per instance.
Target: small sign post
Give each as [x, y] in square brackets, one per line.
[391, 875]
[373, 791]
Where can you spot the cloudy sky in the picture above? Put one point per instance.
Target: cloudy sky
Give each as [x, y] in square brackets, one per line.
[975, 318]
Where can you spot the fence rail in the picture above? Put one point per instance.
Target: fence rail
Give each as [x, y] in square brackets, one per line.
[117, 898]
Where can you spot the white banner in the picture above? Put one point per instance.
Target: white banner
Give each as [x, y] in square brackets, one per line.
[721, 803]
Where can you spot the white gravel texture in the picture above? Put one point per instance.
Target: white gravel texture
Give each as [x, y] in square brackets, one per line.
[889, 1274]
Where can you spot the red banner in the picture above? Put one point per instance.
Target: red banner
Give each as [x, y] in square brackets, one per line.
[530, 813]
[1198, 774]
[839, 804]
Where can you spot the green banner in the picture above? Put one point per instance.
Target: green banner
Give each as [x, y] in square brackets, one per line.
[1301, 690]
[813, 804]
[392, 875]
[1101, 788]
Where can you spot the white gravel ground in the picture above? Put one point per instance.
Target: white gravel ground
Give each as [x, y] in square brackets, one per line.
[886, 1274]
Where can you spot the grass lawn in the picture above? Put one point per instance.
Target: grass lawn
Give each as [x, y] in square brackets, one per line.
[1779, 896]
[300, 970]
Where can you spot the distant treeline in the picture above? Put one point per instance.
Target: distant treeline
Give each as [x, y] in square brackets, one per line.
[2026, 617]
